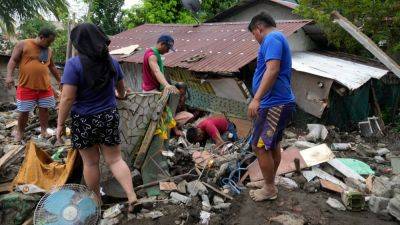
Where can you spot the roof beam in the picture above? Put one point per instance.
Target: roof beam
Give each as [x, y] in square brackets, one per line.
[366, 42]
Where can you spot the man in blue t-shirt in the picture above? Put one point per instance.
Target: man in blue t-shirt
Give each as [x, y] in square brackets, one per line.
[273, 103]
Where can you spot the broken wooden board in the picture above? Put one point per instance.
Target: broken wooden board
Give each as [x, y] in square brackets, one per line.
[168, 186]
[11, 124]
[9, 155]
[287, 164]
[5, 187]
[326, 176]
[345, 170]
[331, 186]
[317, 155]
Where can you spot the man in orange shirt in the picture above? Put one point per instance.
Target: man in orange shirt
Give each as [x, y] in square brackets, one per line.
[35, 60]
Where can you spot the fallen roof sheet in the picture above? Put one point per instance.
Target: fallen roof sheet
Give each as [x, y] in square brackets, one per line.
[222, 47]
[348, 73]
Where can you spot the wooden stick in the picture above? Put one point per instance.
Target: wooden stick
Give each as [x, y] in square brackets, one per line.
[9, 155]
[218, 191]
[155, 183]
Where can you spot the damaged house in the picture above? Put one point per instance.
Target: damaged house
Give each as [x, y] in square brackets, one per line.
[217, 60]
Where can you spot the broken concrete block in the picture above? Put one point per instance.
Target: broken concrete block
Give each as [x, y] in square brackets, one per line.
[182, 187]
[379, 159]
[353, 200]
[153, 215]
[382, 151]
[304, 144]
[206, 206]
[378, 205]
[356, 184]
[336, 204]
[218, 200]
[196, 187]
[394, 207]
[382, 187]
[113, 211]
[110, 221]
[286, 183]
[178, 198]
[340, 146]
[222, 206]
[316, 132]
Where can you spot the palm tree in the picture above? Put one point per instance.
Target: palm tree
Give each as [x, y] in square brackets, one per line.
[25, 9]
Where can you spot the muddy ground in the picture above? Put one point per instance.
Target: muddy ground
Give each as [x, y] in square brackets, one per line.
[246, 212]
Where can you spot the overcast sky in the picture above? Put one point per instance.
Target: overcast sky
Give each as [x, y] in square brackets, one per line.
[80, 8]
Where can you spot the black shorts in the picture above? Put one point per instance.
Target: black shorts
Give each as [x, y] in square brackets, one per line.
[90, 130]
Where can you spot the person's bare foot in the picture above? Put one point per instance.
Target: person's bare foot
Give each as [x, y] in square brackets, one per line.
[132, 202]
[256, 184]
[264, 194]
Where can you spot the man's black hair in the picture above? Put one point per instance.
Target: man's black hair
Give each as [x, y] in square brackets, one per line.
[262, 19]
[46, 32]
[191, 135]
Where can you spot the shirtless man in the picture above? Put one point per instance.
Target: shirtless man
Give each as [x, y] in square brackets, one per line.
[35, 60]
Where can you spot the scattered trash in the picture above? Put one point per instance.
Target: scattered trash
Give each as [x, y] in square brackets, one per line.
[29, 189]
[316, 132]
[286, 183]
[345, 170]
[196, 187]
[153, 215]
[335, 204]
[178, 198]
[168, 186]
[340, 146]
[113, 211]
[383, 151]
[205, 217]
[379, 159]
[304, 144]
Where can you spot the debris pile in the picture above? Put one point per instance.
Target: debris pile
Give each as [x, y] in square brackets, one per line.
[203, 181]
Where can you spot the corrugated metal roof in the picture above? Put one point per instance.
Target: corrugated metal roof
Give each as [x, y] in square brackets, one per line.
[348, 73]
[226, 47]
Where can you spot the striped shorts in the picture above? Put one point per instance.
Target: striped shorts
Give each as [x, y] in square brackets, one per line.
[270, 124]
[28, 99]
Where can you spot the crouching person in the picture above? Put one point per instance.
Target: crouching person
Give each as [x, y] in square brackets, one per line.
[89, 83]
[213, 127]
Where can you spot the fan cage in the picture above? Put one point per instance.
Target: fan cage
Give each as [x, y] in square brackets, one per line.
[41, 215]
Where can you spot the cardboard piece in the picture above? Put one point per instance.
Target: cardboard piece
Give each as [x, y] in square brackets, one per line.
[317, 155]
[287, 164]
[168, 186]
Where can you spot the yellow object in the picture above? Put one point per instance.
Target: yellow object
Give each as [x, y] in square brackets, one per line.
[260, 143]
[166, 123]
[39, 169]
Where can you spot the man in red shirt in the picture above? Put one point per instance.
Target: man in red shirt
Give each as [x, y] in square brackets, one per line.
[153, 67]
[211, 127]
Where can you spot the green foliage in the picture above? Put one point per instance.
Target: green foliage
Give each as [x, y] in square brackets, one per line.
[27, 9]
[380, 20]
[30, 29]
[171, 11]
[107, 14]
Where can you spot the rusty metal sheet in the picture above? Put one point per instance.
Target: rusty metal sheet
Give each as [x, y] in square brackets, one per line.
[224, 47]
